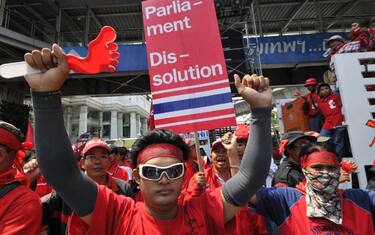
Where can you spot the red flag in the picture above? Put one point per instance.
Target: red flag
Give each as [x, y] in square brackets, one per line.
[151, 119]
[29, 140]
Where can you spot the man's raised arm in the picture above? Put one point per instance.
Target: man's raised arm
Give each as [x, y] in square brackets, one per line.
[255, 163]
[54, 151]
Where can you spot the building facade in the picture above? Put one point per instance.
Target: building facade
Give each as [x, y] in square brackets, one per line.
[108, 117]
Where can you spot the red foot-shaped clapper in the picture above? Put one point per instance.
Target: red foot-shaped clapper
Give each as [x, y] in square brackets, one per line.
[348, 166]
[101, 56]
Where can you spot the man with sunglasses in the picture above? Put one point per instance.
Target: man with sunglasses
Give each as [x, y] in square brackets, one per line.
[20, 208]
[289, 173]
[159, 165]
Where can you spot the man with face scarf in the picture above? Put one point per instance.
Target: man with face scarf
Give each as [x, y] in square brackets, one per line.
[20, 208]
[318, 206]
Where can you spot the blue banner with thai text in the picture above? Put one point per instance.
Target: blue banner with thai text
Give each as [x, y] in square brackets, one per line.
[273, 50]
[289, 49]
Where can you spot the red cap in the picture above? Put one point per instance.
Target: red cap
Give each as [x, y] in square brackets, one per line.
[242, 131]
[311, 82]
[95, 143]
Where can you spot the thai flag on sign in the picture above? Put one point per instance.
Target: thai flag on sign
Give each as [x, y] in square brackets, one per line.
[188, 76]
[198, 107]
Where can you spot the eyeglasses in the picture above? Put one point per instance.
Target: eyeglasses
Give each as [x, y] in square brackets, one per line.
[154, 173]
[96, 157]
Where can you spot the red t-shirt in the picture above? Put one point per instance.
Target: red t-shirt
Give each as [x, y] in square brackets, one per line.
[246, 222]
[116, 171]
[115, 214]
[312, 100]
[42, 188]
[190, 172]
[20, 212]
[331, 110]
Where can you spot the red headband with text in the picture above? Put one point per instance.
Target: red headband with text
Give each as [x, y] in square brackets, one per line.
[159, 150]
[319, 157]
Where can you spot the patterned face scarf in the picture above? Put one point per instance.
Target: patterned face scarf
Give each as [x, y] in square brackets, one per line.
[322, 198]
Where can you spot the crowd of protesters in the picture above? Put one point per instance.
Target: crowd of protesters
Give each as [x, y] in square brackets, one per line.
[161, 186]
[358, 39]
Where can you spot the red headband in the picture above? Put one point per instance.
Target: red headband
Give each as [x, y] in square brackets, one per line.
[319, 157]
[159, 150]
[9, 140]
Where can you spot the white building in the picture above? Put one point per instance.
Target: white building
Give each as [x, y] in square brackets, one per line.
[111, 117]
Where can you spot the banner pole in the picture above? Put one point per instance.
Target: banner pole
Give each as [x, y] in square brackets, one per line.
[198, 152]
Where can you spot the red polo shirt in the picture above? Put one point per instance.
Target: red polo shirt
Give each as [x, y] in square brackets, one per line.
[20, 212]
[115, 214]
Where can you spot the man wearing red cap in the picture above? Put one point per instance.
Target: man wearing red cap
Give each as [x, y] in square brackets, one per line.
[242, 135]
[95, 154]
[311, 107]
[159, 158]
[318, 206]
[20, 208]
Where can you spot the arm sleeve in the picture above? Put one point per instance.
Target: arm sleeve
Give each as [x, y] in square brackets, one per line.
[55, 155]
[275, 203]
[255, 164]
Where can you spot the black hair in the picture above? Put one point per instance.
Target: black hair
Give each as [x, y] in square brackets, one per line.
[159, 136]
[119, 150]
[323, 85]
[306, 150]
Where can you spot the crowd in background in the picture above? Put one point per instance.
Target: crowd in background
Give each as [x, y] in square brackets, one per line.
[161, 186]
